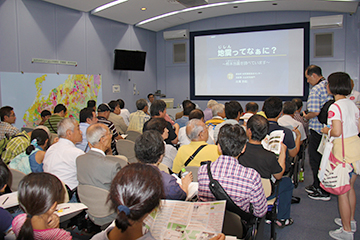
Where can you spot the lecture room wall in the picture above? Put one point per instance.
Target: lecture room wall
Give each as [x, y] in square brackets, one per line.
[36, 29]
[173, 79]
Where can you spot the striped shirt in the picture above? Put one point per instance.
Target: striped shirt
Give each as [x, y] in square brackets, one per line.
[242, 184]
[46, 234]
[112, 129]
[317, 98]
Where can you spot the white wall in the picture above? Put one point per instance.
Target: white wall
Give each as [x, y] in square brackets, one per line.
[36, 29]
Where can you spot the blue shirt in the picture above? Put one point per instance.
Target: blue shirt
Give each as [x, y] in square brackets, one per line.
[182, 121]
[317, 98]
[34, 165]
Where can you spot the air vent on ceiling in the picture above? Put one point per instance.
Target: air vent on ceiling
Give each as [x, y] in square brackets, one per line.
[333, 21]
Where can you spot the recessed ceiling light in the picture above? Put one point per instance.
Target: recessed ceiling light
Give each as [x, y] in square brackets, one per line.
[274, 4]
[199, 12]
[143, 8]
[235, 6]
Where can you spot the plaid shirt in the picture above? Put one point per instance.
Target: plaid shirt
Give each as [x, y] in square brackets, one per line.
[16, 146]
[242, 184]
[137, 120]
[317, 98]
[7, 128]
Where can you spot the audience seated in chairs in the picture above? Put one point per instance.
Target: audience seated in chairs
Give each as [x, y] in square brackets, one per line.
[159, 124]
[198, 133]
[134, 193]
[267, 164]
[242, 184]
[149, 149]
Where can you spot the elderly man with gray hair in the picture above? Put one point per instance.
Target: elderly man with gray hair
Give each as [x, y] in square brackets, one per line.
[94, 168]
[138, 118]
[60, 158]
[218, 112]
[198, 150]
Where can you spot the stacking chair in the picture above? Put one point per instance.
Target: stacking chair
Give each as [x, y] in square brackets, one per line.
[194, 171]
[132, 135]
[16, 178]
[272, 205]
[163, 167]
[99, 210]
[126, 148]
[120, 159]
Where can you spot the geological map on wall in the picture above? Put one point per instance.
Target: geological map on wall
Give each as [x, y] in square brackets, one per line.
[30, 93]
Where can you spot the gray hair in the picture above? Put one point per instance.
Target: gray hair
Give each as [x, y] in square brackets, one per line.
[211, 103]
[217, 108]
[95, 132]
[196, 128]
[141, 104]
[64, 125]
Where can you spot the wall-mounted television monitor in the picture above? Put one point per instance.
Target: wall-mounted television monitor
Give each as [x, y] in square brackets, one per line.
[129, 60]
[251, 63]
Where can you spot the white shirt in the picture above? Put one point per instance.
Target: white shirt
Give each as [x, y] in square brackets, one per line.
[184, 140]
[350, 116]
[170, 154]
[126, 115]
[60, 160]
[354, 97]
[84, 144]
[290, 123]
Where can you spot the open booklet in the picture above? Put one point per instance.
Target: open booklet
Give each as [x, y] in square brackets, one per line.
[273, 141]
[186, 220]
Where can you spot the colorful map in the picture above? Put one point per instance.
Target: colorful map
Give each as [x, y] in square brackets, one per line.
[30, 93]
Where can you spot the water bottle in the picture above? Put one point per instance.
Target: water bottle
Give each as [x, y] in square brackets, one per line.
[184, 172]
[301, 175]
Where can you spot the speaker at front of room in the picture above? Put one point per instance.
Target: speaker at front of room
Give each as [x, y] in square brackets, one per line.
[324, 45]
[179, 53]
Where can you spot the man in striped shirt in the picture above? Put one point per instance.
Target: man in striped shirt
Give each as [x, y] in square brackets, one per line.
[242, 184]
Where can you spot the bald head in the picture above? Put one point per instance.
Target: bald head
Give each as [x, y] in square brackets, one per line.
[196, 130]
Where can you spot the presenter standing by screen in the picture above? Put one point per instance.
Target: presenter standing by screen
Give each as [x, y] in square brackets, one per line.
[317, 98]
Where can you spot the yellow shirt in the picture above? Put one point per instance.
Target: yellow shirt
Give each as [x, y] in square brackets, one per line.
[208, 153]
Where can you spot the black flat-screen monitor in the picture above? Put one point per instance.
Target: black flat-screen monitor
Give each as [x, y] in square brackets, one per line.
[251, 63]
[129, 60]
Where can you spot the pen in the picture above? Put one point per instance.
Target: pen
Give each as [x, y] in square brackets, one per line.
[297, 127]
[5, 200]
[62, 209]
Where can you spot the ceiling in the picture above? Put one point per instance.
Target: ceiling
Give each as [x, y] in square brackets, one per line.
[130, 12]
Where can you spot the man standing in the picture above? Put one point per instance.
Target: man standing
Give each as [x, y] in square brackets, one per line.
[103, 116]
[151, 98]
[60, 158]
[7, 119]
[317, 98]
[59, 114]
[87, 117]
[138, 118]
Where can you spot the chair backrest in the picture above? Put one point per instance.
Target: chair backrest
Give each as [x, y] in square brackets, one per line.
[126, 148]
[66, 194]
[120, 159]
[95, 199]
[163, 167]
[132, 135]
[267, 186]
[232, 225]
[194, 171]
[16, 178]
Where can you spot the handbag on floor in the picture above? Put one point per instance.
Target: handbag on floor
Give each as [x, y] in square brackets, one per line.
[335, 178]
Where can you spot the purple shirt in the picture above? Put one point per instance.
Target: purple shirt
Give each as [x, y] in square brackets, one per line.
[207, 114]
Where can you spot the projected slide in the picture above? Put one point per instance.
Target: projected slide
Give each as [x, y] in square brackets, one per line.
[256, 63]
